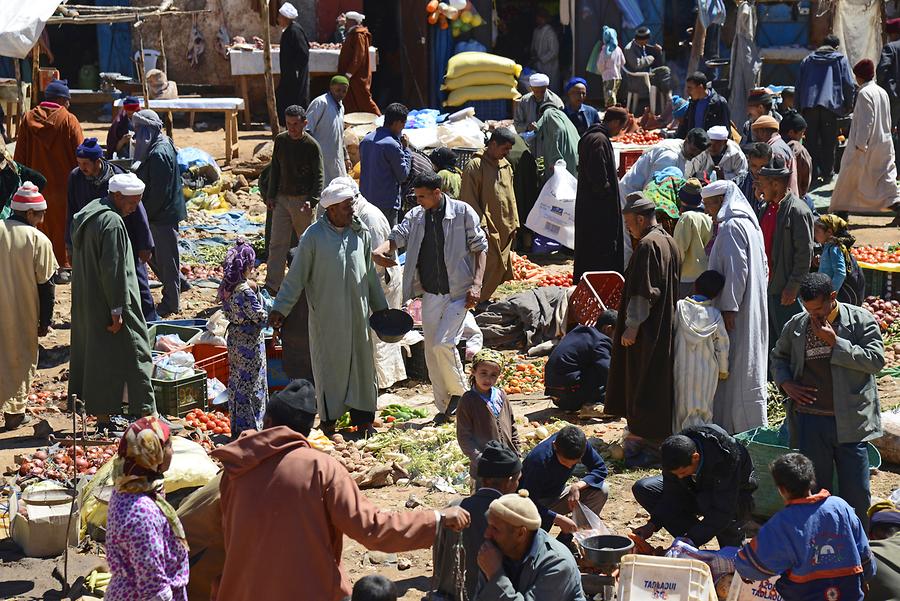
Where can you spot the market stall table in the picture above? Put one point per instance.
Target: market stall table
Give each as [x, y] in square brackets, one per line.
[227, 106]
[247, 63]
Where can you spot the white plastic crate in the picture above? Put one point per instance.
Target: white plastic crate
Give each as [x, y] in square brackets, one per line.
[764, 589]
[646, 578]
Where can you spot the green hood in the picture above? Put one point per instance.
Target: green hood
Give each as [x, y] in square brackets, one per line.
[83, 217]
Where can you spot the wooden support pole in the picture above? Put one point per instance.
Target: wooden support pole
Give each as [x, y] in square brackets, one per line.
[20, 99]
[141, 72]
[697, 45]
[267, 65]
[35, 73]
[163, 63]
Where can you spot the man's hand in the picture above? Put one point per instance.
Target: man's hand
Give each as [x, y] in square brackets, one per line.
[253, 285]
[730, 318]
[456, 518]
[823, 330]
[383, 258]
[490, 559]
[532, 126]
[276, 319]
[144, 256]
[116, 324]
[629, 336]
[473, 297]
[574, 496]
[720, 174]
[645, 531]
[305, 207]
[404, 141]
[805, 395]
[348, 165]
[43, 331]
[788, 298]
[567, 525]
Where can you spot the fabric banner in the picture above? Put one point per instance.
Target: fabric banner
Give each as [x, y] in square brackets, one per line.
[21, 24]
[857, 24]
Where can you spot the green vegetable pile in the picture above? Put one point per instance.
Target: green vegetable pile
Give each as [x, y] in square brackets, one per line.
[426, 453]
[401, 413]
[776, 405]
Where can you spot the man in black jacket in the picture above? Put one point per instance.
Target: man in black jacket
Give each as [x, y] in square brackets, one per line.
[888, 73]
[706, 474]
[706, 109]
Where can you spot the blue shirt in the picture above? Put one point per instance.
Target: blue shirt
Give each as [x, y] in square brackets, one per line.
[583, 118]
[545, 478]
[384, 166]
[700, 111]
[833, 264]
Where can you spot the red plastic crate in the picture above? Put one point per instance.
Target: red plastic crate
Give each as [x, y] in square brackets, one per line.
[596, 292]
[627, 158]
[210, 358]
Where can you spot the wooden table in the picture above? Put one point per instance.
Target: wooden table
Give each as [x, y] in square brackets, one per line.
[79, 96]
[227, 106]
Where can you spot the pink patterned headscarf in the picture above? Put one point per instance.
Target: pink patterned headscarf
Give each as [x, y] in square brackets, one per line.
[239, 258]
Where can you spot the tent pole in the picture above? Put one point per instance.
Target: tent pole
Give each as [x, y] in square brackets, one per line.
[142, 72]
[267, 64]
[20, 98]
[35, 73]
[162, 49]
[697, 45]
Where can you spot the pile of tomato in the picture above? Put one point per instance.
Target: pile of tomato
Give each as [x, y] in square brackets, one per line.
[523, 376]
[641, 138]
[874, 255]
[526, 271]
[214, 422]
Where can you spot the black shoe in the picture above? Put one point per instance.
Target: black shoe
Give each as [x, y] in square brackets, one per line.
[63, 276]
[441, 419]
[14, 421]
[185, 285]
[451, 408]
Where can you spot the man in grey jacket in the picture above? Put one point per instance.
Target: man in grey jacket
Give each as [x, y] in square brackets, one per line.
[519, 560]
[787, 227]
[446, 254]
[826, 361]
[641, 57]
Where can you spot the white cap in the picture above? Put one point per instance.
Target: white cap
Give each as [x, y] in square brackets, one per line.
[538, 80]
[288, 11]
[355, 16]
[28, 198]
[336, 193]
[716, 188]
[718, 132]
[128, 184]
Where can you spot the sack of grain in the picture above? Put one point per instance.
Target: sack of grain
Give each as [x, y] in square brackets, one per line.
[468, 62]
[478, 78]
[494, 92]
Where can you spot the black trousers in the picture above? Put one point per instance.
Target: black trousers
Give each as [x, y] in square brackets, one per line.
[821, 140]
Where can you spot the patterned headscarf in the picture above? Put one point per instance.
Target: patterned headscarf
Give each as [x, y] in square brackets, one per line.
[239, 258]
[137, 467]
[487, 355]
[841, 236]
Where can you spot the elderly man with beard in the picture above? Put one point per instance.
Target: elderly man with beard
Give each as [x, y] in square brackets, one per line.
[156, 163]
[325, 123]
[90, 181]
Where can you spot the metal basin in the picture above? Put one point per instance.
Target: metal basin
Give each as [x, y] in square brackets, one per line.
[606, 549]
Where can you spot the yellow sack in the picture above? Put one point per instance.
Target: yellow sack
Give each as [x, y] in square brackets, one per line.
[467, 62]
[479, 78]
[494, 92]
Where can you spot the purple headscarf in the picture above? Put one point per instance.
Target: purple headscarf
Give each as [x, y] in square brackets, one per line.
[239, 258]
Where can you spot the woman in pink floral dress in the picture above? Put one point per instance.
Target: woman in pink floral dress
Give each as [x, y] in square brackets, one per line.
[145, 543]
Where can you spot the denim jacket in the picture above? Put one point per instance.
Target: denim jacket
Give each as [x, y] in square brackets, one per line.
[463, 238]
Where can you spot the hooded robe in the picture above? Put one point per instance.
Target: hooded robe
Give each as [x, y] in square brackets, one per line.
[47, 139]
[354, 60]
[102, 364]
[556, 138]
[293, 58]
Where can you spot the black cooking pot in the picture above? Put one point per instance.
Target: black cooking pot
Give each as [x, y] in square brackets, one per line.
[607, 549]
[391, 325]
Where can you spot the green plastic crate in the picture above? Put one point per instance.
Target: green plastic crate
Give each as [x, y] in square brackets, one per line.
[178, 397]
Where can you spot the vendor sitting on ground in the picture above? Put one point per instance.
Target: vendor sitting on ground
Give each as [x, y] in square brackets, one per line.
[884, 534]
[706, 474]
[576, 372]
[547, 469]
[816, 543]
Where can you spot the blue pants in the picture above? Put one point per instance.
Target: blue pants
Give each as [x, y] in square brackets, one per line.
[817, 439]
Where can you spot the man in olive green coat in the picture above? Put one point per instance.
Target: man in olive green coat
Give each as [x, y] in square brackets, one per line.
[110, 353]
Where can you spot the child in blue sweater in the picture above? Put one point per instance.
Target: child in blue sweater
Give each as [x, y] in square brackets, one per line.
[831, 232]
[816, 543]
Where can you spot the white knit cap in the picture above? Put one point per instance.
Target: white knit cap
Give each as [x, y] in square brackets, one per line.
[516, 509]
[28, 198]
[538, 80]
[288, 11]
[718, 132]
[716, 188]
[336, 193]
[128, 184]
[355, 16]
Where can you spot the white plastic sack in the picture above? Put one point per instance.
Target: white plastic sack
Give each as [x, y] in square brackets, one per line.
[21, 24]
[214, 334]
[553, 215]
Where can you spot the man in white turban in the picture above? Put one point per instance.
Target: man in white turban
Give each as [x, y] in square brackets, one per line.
[293, 57]
[333, 266]
[723, 157]
[527, 107]
[110, 354]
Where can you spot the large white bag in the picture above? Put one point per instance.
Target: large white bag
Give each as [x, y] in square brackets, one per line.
[553, 215]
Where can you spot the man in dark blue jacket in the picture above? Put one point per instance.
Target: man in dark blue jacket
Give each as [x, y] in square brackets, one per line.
[824, 93]
[706, 109]
[385, 163]
[577, 369]
[549, 466]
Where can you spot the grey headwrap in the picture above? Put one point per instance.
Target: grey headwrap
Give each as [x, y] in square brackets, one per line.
[147, 128]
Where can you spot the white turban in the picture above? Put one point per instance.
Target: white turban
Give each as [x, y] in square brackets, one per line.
[538, 80]
[355, 16]
[346, 180]
[288, 11]
[336, 192]
[128, 184]
[719, 132]
[717, 188]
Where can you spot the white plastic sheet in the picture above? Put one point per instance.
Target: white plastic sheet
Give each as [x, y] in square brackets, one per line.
[21, 24]
[857, 23]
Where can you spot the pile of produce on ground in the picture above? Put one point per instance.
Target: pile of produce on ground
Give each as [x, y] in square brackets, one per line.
[61, 464]
[522, 375]
[199, 271]
[425, 454]
[214, 422]
[46, 398]
[525, 270]
[885, 311]
[775, 404]
[532, 433]
[401, 413]
[639, 138]
[874, 255]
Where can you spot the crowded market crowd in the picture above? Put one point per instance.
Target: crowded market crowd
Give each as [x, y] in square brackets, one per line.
[732, 279]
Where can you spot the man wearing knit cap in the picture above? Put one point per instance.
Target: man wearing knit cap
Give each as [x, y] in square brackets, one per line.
[12, 174]
[888, 73]
[527, 110]
[110, 360]
[583, 115]
[759, 102]
[824, 95]
[46, 142]
[519, 560]
[641, 57]
[293, 57]
[766, 129]
[90, 181]
[868, 179]
[118, 139]
[498, 474]
[355, 64]
[27, 265]
[325, 123]
[724, 158]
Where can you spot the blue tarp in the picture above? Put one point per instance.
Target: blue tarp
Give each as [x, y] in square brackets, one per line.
[441, 51]
[114, 43]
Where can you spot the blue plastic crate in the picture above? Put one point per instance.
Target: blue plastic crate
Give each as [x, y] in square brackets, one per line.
[490, 109]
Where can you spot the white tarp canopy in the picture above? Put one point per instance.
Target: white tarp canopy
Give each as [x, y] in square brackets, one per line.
[21, 24]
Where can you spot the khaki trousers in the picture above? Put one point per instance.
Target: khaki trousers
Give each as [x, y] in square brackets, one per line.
[288, 215]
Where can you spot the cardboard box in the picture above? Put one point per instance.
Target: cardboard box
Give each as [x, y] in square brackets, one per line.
[43, 532]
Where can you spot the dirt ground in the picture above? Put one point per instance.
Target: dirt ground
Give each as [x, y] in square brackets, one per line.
[33, 579]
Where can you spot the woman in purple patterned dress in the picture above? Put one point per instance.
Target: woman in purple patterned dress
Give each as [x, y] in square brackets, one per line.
[145, 543]
[248, 388]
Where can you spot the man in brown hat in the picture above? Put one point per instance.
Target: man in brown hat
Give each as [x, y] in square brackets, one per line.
[640, 384]
[766, 129]
[759, 103]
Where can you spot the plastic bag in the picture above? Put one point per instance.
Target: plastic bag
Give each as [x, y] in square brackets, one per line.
[589, 523]
[174, 366]
[214, 334]
[168, 343]
[553, 215]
